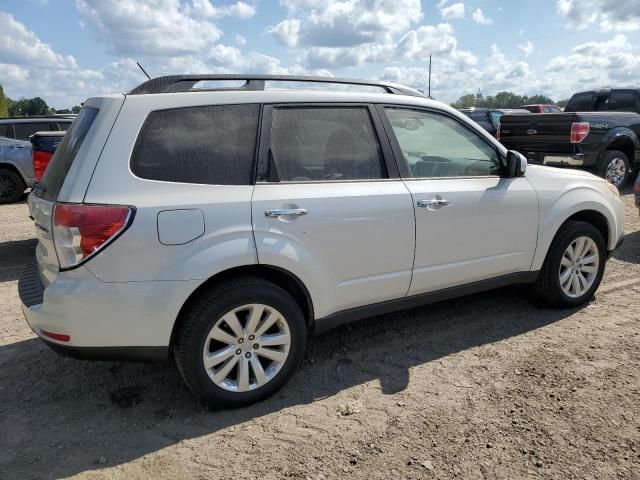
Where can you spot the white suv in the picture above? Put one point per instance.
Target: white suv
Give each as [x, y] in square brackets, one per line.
[220, 225]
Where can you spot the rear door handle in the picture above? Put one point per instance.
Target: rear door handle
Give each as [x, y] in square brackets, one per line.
[435, 202]
[286, 212]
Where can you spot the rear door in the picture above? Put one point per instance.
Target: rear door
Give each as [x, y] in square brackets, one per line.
[329, 207]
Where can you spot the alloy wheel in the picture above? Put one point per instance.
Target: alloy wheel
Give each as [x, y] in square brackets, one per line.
[579, 267]
[616, 172]
[8, 185]
[246, 348]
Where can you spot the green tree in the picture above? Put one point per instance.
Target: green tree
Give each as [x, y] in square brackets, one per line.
[562, 103]
[28, 107]
[76, 109]
[538, 99]
[465, 101]
[4, 104]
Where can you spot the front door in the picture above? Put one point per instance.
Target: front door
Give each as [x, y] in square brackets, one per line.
[330, 208]
[472, 223]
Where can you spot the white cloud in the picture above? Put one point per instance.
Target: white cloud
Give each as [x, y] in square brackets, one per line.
[149, 27]
[452, 11]
[611, 15]
[479, 17]
[340, 23]
[240, 40]
[19, 45]
[526, 47]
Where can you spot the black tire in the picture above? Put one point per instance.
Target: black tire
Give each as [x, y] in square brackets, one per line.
[607, 159]
[547, 287]
[11, 186]
[203, 315]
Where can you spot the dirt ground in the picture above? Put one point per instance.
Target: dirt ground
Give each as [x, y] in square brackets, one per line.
[489, 386]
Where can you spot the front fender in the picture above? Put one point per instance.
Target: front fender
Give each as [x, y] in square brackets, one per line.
[557, 211]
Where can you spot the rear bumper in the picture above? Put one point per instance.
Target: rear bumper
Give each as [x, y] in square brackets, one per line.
[561, 159]
[129, 320]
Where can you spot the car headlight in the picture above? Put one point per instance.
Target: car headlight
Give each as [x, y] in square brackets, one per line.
[612, 188]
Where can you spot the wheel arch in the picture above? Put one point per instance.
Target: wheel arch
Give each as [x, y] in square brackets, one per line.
[279, 276]
[581, 204]
[13, 167]
[624, 144]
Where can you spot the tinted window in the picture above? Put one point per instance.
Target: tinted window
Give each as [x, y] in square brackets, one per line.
[554, 109]
[623, 101]
[324, 144]
[63, 126]
[495, 117]
[601, 103]
[212, 145]
[66, 152]
[25, 130]
[581, 102]
[434, 145]
[479, 116]
[6, 130]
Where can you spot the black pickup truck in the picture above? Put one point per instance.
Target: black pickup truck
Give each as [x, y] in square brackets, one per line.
[598, 130]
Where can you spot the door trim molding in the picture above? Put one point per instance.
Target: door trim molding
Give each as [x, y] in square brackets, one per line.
[322, 325]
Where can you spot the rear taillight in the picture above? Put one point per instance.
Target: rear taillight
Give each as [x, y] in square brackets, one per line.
[579, 131]
[40, 161]
[498, 132]
[80, 230]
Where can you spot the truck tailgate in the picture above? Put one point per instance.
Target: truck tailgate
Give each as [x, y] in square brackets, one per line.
[538, 132]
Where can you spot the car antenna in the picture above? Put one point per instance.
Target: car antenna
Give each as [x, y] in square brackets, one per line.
[143, 70]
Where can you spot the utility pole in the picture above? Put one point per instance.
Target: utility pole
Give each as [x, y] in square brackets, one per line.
[429, 90]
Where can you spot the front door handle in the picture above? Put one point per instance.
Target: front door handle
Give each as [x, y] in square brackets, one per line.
[285, 212]
[435, 202]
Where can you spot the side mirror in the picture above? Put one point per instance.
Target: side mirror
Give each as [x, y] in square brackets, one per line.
[516, 164]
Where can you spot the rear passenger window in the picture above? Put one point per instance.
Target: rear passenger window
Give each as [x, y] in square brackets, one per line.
[212, 145]
[324, 144]
[6, 130]
[581, 102]
[623, 101]
[25, 130]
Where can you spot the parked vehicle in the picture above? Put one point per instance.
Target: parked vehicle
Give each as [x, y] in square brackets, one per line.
[43, 146]
[541, 108]
[636, 190]
[598, 130]
[489, 118]
[221, 227]
[16, 167]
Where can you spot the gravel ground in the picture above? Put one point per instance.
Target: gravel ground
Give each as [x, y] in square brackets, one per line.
[489, 386]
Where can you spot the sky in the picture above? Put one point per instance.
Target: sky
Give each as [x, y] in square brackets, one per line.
[68, 50]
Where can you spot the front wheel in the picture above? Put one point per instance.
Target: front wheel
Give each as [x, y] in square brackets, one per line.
[240, 342]
[574, 266]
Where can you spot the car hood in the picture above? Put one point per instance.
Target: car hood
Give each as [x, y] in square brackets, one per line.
[541, 172]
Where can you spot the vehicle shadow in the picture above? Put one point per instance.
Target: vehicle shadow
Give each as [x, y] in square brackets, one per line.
[60, 417]
[14, 256]
[629, 251]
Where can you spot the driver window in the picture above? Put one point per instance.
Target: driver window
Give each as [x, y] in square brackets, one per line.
[434, 145]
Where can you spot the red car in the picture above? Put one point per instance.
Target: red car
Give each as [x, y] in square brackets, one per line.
[540, 108]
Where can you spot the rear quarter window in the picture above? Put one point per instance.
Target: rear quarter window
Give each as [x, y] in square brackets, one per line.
[581, 102]
[207, 145]
[65, 155]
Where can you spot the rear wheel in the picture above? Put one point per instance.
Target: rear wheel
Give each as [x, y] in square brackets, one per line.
[241, 342]
[615, 168]
[11, 186]
[574, 266]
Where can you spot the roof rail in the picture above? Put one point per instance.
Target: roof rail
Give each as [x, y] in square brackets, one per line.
[185, 83]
